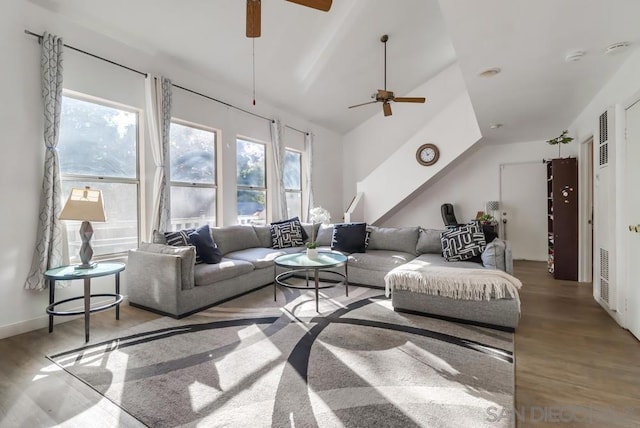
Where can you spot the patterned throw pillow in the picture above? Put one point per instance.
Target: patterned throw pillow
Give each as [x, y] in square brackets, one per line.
[463, 243]
[285, 235]
[295, 219]
[179, 238]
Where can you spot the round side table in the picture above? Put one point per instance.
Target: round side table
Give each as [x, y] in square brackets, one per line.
[65, 273]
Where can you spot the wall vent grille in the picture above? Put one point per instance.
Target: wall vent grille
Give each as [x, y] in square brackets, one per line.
[603, 157]
[604, 264]
[604, 290]
[604, 130]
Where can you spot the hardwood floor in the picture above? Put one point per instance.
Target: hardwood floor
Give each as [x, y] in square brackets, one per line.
[574, 365]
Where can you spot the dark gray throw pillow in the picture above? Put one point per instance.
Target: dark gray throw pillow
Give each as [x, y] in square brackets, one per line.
[349, 237]
[206, 250]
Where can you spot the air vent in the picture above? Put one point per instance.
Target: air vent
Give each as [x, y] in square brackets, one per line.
[604, 290]
[604, 264]
[604, 131]
[603, 152]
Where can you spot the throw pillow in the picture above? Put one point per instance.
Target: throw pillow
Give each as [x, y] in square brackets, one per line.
[305, 235]
[349, 237]
[325, 234]
[179, 238]
[286, 235]
[463, 243]
[206, 249]
[493, 257]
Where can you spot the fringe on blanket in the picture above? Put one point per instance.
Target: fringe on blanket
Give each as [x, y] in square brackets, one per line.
[470, 284]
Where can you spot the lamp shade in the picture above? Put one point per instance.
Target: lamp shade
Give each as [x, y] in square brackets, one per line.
[85, 205]
[493, 205]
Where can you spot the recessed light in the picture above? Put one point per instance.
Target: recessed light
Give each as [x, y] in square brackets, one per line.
[490, 72]
[616, 48]
[495, 125]
[574, 56]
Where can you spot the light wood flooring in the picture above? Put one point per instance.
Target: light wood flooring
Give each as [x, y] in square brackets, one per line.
[574, 365]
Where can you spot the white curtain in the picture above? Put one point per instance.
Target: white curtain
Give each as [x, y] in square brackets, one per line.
[308, 146]
[279, 195]
[158, 103]
[48, 251]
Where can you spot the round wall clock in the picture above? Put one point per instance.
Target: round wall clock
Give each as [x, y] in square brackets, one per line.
[427, 154]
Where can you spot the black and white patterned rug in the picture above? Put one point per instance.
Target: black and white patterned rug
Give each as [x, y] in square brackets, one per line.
[254, 362]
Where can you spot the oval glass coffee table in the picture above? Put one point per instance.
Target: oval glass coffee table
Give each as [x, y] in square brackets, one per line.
[299, 262]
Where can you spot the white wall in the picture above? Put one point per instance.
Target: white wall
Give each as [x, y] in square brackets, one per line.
[618, 93]
[474, 180]
[23, 149]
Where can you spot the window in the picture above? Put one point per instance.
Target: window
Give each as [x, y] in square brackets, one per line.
[192, 152]
[293, 182]
[251, 178]
[98, 147]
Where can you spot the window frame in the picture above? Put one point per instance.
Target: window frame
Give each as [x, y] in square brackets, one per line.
[216, 164]
[267, 178]
[140, 194]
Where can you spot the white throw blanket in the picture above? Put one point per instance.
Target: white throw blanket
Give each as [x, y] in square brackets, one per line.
[456, 283]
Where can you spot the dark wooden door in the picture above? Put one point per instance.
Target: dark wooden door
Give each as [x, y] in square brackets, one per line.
[565, 218]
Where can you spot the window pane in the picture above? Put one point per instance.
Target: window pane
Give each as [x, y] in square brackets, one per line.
[251, 204]
[251, 164]
[192, 153]
[294, 204]
[292, 176]
[192, 207]
[120, 232]
[97, 140]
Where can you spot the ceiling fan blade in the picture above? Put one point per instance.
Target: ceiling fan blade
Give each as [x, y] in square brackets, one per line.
[323, 5]
[363, 104]
[409, 100]
[386, 108]
[253, 18]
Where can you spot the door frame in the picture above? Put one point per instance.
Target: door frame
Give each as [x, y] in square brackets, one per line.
[585, 209]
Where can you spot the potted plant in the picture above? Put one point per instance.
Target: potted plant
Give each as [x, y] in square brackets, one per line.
[485, 218]
[312, 245]
[561, 139]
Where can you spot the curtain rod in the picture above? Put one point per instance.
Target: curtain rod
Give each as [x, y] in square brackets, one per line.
[296, 129]
[31, 33]
[89, 53]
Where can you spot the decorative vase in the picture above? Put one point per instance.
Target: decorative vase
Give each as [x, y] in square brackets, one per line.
[312, 253]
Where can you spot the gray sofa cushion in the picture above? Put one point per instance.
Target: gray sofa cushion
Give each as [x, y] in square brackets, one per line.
[438, 260]
[205, 274]
[187, 257]
[259, 257]
[234, 238]
[402, 239]
[429, 241]
[264, 235]
[379, 260]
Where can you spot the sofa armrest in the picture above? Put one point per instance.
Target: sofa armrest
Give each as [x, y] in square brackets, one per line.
[508, 258]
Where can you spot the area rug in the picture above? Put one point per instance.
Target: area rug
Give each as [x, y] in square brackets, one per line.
[253, 362]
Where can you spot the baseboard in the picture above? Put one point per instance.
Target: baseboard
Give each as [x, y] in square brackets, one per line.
[43, 321]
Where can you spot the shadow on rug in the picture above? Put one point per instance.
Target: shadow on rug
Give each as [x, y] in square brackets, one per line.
[255, 362]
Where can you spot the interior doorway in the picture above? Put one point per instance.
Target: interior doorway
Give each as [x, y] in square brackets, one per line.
[586, 168]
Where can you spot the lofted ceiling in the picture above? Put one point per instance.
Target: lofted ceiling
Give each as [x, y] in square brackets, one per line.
[317, 64]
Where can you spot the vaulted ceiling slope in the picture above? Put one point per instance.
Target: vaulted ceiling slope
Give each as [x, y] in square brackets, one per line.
[317, 64]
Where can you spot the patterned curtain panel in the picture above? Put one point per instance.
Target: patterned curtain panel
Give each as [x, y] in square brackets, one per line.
[158, 103]
[279, 196]
[48, 251]
[308, 145]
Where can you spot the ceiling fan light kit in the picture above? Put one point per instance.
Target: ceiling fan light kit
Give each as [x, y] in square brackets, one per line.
[386, 97]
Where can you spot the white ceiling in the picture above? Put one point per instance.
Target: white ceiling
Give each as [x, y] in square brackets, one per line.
[317, 64]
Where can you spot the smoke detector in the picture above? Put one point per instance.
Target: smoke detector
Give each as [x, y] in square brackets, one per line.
[574, 56]
[616, 48]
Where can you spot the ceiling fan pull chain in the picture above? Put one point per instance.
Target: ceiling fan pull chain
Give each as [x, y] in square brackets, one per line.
[253, 41]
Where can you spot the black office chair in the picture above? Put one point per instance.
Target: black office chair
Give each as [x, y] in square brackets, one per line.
[448, 216]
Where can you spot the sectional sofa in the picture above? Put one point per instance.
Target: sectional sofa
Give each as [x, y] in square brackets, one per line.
[166, 280]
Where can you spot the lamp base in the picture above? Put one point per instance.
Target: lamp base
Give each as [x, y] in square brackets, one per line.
[85, 266]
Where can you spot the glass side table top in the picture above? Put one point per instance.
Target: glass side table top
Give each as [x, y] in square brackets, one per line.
[70, 271]
[300, 260]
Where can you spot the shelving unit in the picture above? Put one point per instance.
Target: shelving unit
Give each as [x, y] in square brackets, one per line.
[562, 218]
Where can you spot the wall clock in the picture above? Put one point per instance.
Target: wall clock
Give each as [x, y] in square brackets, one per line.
[427, 154]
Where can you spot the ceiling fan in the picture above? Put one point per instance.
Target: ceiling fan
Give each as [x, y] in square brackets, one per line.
[253, 12]
[385, 97]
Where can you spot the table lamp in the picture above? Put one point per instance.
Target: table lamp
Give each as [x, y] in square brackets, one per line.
[492, 207]
[85, 205]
